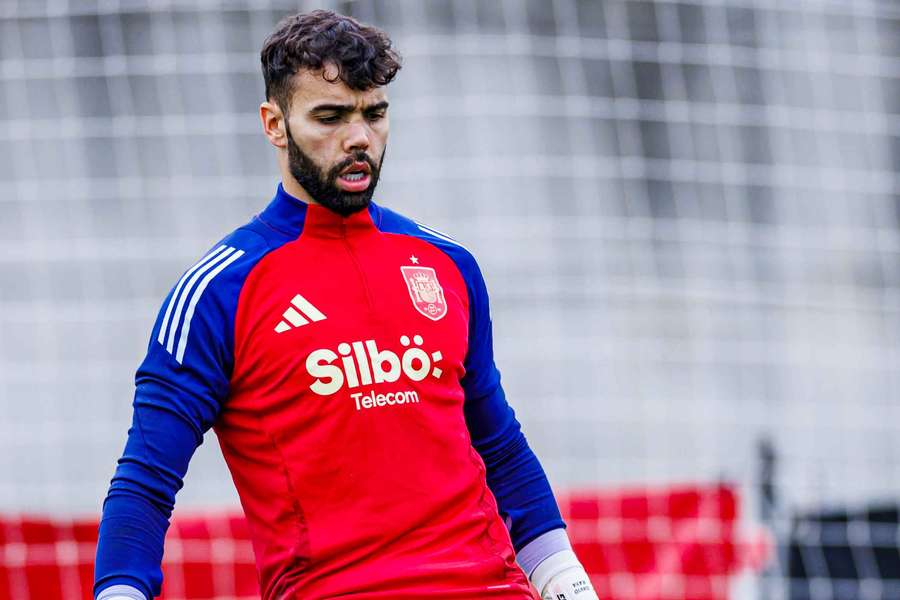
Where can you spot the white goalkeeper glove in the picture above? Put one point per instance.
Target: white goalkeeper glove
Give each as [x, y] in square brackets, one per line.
[561, 577]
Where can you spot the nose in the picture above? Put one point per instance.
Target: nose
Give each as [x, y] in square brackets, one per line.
[357, 137]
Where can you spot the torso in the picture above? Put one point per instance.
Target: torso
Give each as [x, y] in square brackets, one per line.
[344, 429]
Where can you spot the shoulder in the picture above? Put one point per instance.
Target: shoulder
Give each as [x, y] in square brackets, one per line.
[223, 267]
[390, 221]
[203, 300]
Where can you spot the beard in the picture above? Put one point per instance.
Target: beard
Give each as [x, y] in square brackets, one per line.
[322, 186]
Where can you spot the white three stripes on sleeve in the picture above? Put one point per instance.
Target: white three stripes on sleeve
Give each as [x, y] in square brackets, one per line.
[185, 293]
[440, 236]
[165, 324]
[208, 264]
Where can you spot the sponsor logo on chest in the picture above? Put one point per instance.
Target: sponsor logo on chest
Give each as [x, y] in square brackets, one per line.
[363, 363]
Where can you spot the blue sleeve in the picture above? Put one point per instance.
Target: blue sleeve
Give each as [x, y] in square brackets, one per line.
[180, 386]
[514, 475]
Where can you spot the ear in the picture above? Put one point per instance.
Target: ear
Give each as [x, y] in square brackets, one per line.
[272, 119]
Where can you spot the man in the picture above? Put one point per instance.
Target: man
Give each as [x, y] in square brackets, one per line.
[343, 355]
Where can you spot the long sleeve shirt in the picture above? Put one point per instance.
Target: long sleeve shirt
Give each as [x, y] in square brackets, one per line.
[346, 365]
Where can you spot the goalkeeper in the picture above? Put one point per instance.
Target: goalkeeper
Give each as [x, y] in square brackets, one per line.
[343, 355]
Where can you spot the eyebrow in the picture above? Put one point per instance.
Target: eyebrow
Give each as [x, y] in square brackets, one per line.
[345, 108]
[377, 106]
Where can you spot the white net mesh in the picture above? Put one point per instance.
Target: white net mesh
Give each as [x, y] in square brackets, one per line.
[686, 211]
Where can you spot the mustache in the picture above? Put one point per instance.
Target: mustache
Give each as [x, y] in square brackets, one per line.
[357, 156]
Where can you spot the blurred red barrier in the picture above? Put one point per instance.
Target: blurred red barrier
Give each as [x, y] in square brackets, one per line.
[678, 543]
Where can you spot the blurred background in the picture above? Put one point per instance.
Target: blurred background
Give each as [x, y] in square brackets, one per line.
[687, 214]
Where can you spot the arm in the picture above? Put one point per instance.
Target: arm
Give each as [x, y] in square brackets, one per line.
[514, 474]
[177, 397]
[141, 497]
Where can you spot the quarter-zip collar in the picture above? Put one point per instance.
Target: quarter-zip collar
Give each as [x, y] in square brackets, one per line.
[294, 216]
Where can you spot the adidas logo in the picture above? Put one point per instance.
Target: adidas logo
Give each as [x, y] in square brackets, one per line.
[300, 313]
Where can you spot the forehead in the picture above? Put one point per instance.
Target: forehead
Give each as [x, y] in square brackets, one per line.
[312, 89]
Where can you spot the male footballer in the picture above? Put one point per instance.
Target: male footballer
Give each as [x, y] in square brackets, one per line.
[343, 355]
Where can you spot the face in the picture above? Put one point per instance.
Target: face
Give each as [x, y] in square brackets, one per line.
[336, 139]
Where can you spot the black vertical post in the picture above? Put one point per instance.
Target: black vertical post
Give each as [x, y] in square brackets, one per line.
[768, 512]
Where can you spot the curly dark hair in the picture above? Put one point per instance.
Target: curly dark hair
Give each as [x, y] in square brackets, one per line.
[362, 54]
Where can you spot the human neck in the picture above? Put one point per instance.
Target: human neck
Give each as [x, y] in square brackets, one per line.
[292, 187]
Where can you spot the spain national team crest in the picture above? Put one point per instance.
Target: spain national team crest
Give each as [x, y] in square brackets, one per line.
[426, 291]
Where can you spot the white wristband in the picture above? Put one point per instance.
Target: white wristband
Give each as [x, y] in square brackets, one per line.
[121, 592]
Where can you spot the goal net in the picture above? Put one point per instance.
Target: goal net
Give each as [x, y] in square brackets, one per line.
[686, 212]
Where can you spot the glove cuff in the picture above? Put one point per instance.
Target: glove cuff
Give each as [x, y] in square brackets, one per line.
[551, 566]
